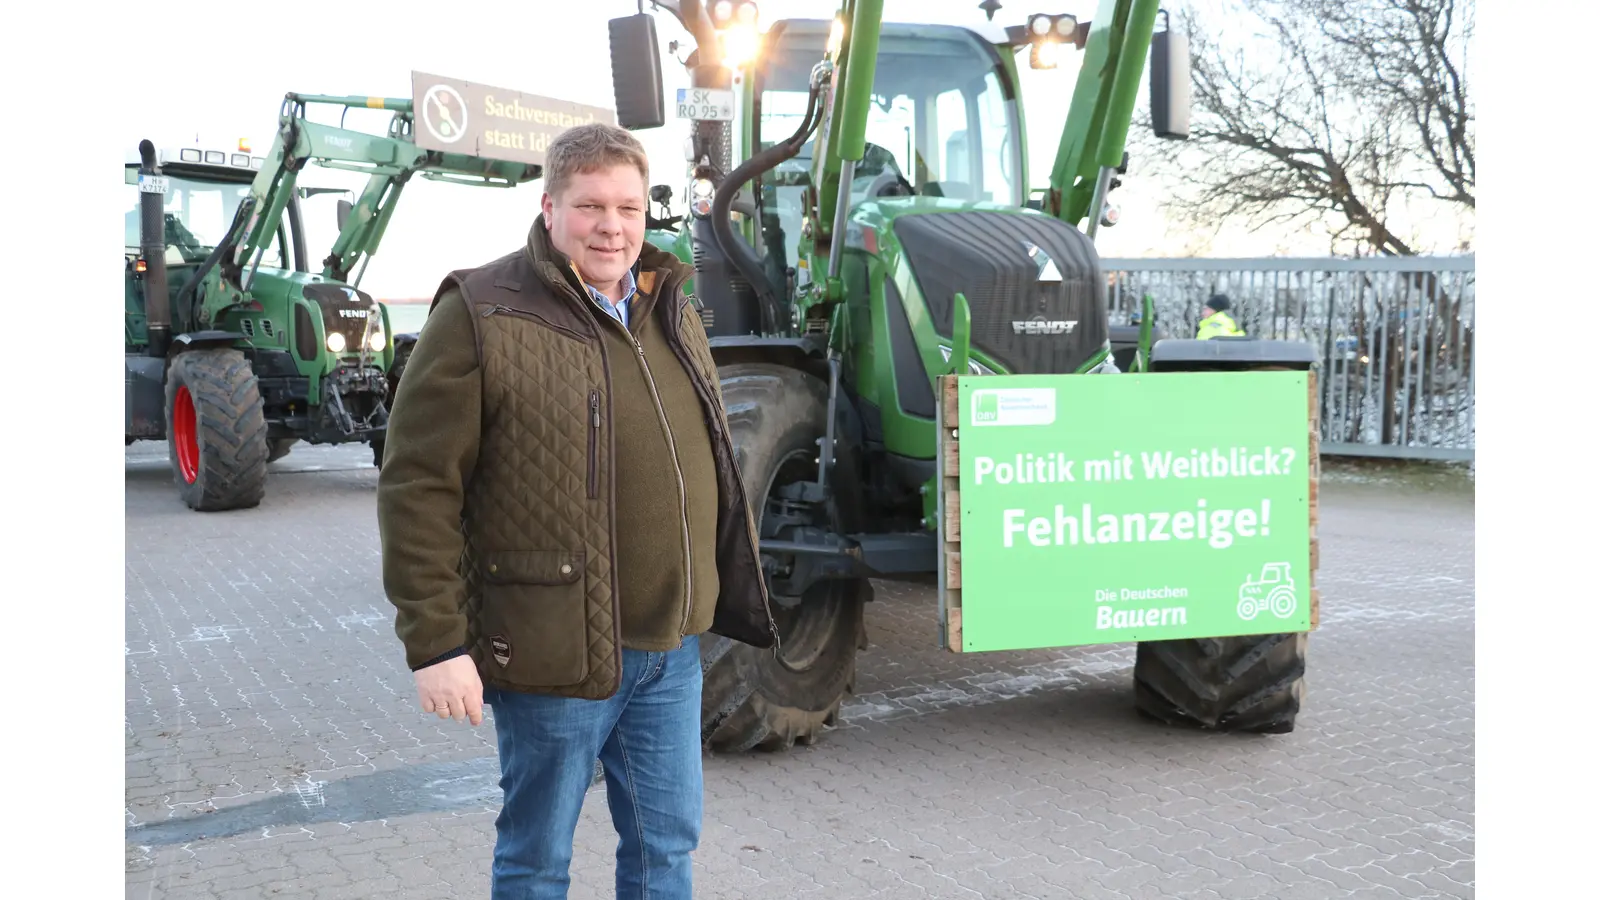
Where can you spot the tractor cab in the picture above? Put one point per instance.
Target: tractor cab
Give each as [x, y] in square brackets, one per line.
[943, 123]
[202, 189]
[937, 209]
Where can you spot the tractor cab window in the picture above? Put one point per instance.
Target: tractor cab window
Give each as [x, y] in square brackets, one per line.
[940, 124]
[197, 215]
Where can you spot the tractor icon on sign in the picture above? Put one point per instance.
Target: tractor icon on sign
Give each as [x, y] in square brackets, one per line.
[1274, 590]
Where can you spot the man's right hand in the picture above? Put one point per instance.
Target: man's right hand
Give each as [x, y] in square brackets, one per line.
[452, 689]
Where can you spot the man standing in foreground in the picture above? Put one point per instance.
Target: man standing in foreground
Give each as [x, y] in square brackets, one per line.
[561, 517]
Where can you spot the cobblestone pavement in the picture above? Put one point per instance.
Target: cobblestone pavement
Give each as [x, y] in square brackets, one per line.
[274, 747]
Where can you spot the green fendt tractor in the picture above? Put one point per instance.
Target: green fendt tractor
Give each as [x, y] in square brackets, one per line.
[860, 225]
[235, 349]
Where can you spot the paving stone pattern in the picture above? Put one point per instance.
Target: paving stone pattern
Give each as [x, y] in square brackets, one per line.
[275, 749]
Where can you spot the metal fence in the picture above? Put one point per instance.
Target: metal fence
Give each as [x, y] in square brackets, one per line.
[1395, 336]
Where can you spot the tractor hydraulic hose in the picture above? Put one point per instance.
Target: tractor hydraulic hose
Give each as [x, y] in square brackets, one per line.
[153, 250]
[721, 224]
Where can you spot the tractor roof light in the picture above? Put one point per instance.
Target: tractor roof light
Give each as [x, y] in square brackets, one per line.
[1044, 54]
[1046, 34]
[729, 12]
[735, 24]
[740, 45]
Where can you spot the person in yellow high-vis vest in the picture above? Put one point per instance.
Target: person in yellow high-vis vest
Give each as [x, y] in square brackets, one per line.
[1215, 321]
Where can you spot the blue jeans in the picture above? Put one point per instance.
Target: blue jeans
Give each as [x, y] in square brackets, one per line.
[647, 736]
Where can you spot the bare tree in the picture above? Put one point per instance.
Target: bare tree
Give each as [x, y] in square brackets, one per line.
[1341, 112]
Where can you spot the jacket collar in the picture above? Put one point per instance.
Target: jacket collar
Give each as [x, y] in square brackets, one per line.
[651, 270]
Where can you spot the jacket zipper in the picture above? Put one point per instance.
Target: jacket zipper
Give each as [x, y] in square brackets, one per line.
[594, 440]
[683, 499]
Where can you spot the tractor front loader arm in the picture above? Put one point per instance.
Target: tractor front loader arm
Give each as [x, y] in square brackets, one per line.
[1096, 131]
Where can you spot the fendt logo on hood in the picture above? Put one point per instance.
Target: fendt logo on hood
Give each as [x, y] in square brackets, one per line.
[1041, 325]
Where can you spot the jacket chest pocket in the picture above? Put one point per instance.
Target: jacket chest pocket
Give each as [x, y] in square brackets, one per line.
[535, 616]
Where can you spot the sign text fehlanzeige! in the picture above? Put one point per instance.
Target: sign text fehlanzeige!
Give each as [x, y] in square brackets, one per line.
[1104, 509]
[457, 116]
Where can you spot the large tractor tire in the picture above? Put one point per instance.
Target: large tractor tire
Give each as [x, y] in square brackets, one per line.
[216, 432]
[758, 699]
[1250, 683]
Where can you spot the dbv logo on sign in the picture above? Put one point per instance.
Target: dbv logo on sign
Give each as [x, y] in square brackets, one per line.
[1014, 406]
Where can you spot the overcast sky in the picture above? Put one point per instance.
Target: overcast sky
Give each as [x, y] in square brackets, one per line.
[437, 227]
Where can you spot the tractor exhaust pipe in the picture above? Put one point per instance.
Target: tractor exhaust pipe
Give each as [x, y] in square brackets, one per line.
[153, 250]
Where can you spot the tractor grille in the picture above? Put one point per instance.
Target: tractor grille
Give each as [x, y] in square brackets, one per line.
[344, 309]
[1003, 263]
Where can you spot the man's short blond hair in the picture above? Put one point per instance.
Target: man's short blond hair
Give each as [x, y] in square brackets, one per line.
[589, 148]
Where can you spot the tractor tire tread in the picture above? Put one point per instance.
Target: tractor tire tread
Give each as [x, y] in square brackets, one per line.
[230, 426]
[749, 702]
[1254, 684]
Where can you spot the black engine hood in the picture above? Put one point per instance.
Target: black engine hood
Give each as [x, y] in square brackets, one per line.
[1033, 283]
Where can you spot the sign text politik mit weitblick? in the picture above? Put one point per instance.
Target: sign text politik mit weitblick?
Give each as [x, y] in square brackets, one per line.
[1057, 468]
[1218, 527]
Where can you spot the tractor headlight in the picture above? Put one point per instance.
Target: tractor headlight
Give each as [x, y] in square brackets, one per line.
[335, 342]
[377, 341]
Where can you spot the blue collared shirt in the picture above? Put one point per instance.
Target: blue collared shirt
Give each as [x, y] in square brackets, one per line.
[619, 308]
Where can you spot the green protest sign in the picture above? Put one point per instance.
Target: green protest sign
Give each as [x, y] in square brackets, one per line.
[1109, 509]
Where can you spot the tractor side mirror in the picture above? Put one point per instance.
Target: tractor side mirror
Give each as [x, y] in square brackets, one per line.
[342, 213]
[1169, 84]
[636, 73]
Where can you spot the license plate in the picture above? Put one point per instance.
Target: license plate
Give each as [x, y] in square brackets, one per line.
[705, 104]
[152, 184]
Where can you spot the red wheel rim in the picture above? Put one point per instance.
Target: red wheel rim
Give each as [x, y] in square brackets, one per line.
[183, 434]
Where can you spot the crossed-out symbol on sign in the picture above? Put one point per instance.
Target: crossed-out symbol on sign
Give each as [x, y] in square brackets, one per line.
[444, 113]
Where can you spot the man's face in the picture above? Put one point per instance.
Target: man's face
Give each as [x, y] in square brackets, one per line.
[1207, 312]
[598, 221]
